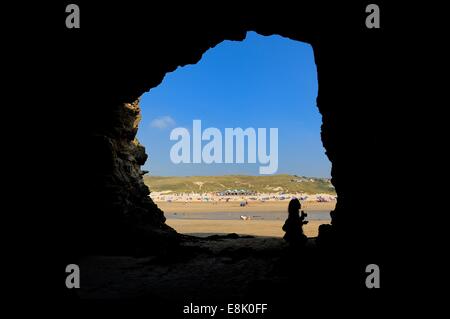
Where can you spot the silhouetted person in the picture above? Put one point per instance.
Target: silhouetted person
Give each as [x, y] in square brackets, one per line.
[294, 224]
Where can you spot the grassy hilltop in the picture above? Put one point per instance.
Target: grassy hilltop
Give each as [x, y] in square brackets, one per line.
[260, 184]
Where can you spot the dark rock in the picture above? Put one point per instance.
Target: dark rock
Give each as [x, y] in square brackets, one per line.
[104, 113]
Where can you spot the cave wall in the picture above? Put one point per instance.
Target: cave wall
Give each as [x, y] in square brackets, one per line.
[115, 65]
[118, 169]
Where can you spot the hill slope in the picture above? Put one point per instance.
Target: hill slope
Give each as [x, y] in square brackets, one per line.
[261, 184]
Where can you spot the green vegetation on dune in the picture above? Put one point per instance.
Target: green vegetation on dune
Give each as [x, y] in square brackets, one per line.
[261, 184]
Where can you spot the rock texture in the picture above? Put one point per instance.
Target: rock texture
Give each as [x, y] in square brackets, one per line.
[125, 212]
[120, 167]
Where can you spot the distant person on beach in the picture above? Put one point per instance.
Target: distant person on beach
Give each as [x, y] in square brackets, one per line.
[294, 224]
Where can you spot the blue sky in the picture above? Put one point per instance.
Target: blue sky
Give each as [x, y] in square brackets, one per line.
[261, 82]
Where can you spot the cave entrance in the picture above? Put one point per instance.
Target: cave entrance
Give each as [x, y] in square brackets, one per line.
[260, 83]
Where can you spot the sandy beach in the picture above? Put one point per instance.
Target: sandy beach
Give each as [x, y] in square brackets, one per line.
[269, 228]
[206, 218]
[233, 206]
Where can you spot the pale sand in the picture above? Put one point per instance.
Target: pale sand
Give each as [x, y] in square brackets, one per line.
[269, 228]
[253, 207]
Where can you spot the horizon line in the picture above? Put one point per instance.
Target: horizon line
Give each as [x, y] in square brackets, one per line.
[258, 175]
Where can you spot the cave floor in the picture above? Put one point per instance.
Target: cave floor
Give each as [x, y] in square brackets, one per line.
[211, 268]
